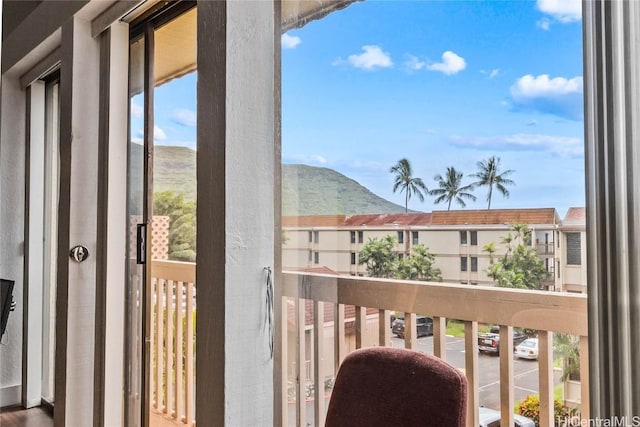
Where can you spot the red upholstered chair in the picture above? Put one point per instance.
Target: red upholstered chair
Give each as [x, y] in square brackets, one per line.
[390, 387]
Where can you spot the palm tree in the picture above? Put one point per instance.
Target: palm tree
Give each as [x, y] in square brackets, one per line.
[405, 181]
[488, 174]
[491, 249]
[451, 188]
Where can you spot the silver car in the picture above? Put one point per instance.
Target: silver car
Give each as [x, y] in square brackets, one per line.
[491, 418]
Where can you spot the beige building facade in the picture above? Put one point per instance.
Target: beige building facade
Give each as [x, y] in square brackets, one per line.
[456, 238]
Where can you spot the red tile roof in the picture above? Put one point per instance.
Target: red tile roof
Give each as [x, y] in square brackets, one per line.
[576, 216]
[496, 216]
[388, 219]
[313, 221]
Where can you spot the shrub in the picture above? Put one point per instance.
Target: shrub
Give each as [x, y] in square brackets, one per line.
[530, 408]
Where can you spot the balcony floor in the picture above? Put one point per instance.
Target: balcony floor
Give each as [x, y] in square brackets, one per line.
[19, 417]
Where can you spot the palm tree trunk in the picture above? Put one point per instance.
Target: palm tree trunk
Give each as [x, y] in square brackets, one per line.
[490, 191]
[449, 206]
[406, 200]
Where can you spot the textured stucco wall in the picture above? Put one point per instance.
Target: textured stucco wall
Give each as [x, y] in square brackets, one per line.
[12, 197]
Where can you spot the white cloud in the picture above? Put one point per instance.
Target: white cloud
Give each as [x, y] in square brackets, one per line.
[491, 73]
[158, 134]
[184, 117]
[136, 110]
[451, 64]
[413, 63]
[559, 95]
[372, 57]
[544, 23]
[559, 145]
[311, 159]
[289, 42]
[562, 10]
[530, 86]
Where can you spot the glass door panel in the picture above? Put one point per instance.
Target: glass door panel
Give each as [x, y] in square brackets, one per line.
[162, 197]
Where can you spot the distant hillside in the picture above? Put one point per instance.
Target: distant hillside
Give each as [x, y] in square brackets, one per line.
[306, 190]
[309, 190]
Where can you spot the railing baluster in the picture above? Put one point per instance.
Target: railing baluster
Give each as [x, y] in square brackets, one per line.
[471, 370]
[361, 326]
[318, 360]
[301, 416]
[153, 386]
[384, 330]
[169, 348]
[189, 362]
[340, 348]
[545, 381]
[179, 392]
[410, 331]
[506, 375]
[585, 410]
[159, 343]
[440, 337]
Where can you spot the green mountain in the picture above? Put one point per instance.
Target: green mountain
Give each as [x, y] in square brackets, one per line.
[306, 190]
[309, 190]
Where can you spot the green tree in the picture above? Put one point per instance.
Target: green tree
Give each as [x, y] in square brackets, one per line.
[489, 175]
[520, 267]
[418, 265]
[567, 348]
[182, 224]
[451, 188]
[380, 257]
[407, 183]
[491, 249]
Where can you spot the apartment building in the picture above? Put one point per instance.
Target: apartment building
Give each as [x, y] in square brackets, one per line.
[456, 238]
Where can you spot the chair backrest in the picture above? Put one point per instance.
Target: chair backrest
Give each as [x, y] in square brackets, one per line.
[382, 386]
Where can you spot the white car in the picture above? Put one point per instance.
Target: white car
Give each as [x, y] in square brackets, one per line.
[528, 349]
[491, 418]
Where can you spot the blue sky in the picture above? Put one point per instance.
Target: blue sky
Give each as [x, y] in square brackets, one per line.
[442, 83]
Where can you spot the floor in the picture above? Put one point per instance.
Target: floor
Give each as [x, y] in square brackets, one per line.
[19, 417]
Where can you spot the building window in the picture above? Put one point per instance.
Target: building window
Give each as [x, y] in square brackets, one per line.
[574, 254]
[463, 237]
[400, 255]
[310, 256]
[360, 236]
[414, 237]
[463, 263]
[474, 263]
[310, 236]
[316, 257]
[558, 269]
[474, 238]
[353, 237]
[353, 258]
[400, 236]
[558, 239]
[316, 237]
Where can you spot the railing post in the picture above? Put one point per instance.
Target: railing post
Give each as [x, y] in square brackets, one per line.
[339, 344]
[506, 375]
[384, 329]
[361, 327]
[169, 347]
[179, 392]
[545, 370]
[410, 331]
[301, 416]
[318, 357]
[471, 370]
[585, 411]
[440, 337]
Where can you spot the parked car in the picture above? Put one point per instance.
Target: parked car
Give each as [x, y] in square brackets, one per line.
[424, 326]
[490, 342]
[528, 349]
[491, 418]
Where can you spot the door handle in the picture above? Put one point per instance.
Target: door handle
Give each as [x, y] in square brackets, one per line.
[141, 244]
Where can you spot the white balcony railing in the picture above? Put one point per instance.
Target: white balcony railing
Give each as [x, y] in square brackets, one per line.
[173, 341]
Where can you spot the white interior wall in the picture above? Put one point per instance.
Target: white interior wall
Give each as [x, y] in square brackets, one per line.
[12, 202]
